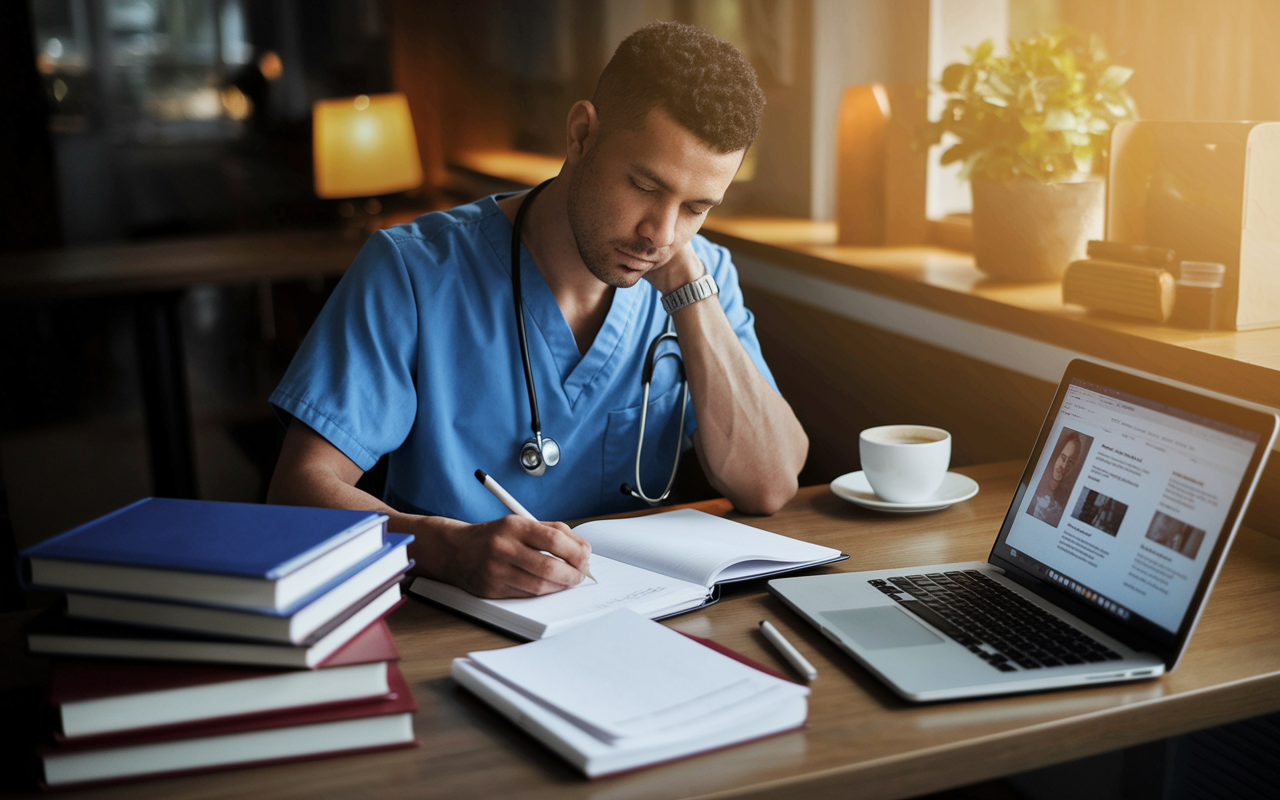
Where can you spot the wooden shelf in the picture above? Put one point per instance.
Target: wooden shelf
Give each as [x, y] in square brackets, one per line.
[169, 264]
[1241, 363]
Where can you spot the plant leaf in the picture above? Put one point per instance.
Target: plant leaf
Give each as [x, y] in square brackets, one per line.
[1059, 119]
[1114, 76]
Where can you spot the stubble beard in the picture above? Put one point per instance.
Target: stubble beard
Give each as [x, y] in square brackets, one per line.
[587, 222]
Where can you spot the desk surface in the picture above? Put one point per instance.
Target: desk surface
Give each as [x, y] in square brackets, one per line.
[859, 734]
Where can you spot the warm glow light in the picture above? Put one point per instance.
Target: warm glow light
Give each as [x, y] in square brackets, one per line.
[270, 65]
[205, 103]
[237, 105]
[365, 146]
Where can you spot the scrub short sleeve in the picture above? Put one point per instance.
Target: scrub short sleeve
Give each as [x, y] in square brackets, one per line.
[353, 379]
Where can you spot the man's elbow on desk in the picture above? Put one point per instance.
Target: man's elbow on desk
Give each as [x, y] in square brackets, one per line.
[760, 487]
[767, 499]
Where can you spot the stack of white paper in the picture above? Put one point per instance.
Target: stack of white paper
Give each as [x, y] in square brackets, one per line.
[622, 691]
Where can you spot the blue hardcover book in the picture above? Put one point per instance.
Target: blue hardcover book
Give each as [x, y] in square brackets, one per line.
[292, 625]
[235, 554]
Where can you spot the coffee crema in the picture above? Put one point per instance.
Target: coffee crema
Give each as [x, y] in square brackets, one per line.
[908, 438]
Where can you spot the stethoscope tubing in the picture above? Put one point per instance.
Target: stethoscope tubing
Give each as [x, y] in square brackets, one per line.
[517, 295]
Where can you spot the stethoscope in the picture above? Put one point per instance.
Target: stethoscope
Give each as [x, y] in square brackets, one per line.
[539, 452]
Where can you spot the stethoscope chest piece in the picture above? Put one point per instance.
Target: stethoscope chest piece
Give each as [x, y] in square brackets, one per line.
[538, 453]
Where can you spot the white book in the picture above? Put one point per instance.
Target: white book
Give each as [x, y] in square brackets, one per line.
[622, 692]
[63, 636]
[656, 565]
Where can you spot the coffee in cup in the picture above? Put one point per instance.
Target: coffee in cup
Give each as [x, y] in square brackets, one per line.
[904, 463]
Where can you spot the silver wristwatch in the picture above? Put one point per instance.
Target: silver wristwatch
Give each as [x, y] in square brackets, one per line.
[690, 293]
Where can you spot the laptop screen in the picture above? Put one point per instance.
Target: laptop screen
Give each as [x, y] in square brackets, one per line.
[1126, 500]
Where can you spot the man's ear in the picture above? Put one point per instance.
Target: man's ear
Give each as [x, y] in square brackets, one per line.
[581, 130]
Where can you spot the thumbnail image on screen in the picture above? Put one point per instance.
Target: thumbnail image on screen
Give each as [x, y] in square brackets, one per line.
[1102, 512]
[1175, 534]
[1059, 476]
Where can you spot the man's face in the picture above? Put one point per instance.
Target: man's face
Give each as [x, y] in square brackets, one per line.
[1066, 460]
[638, 196]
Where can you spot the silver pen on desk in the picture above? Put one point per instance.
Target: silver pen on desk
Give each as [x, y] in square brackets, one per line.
[788, 651]
[512, 504]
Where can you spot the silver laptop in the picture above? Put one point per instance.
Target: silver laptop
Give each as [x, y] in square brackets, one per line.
[1121, 519]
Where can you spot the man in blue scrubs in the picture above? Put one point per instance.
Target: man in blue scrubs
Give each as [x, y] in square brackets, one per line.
[417, 352]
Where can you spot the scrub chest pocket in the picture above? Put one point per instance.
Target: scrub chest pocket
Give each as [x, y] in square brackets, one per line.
[659, 454]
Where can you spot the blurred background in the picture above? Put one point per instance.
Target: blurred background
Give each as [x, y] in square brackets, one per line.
[135, 128]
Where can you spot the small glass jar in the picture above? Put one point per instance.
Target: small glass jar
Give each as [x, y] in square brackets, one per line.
[1196, 302]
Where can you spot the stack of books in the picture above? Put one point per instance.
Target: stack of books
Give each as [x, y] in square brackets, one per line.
[200, 635]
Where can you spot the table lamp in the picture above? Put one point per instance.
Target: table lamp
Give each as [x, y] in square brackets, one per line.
[364, 146]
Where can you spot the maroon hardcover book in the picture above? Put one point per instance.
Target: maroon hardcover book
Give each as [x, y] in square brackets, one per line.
[77, 683]
[287, 724]
[75, 679]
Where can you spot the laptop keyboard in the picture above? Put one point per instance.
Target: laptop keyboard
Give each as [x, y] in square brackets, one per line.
[997, 625]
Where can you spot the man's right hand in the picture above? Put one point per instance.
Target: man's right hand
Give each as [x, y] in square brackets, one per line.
[506, 557]
[501, 558]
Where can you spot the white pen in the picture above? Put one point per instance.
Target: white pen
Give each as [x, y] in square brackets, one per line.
[513, 504]
[788, 650]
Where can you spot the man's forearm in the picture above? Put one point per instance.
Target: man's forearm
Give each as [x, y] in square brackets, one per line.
[321, 486]
[750, 443]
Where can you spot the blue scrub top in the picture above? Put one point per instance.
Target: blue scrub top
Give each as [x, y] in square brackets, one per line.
[416, 354]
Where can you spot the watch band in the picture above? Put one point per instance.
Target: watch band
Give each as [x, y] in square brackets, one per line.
[690, 293]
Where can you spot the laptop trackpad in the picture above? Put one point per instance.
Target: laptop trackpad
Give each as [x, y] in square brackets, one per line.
[880, 627]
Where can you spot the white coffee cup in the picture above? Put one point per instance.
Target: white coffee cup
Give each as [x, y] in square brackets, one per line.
[905, 463]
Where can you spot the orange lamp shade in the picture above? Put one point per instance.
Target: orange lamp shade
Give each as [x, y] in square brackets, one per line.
[364, 146]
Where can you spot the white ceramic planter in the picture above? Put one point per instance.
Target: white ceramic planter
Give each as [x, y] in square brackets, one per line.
[1026, 230]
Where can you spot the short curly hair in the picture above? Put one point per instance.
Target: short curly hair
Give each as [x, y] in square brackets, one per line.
[702, 81]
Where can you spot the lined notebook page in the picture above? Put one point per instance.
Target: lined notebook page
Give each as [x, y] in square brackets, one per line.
[697, 547]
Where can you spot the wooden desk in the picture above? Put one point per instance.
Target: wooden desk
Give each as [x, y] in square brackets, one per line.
[861, 741]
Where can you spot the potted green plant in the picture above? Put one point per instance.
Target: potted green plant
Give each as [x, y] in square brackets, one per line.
[1031, 129]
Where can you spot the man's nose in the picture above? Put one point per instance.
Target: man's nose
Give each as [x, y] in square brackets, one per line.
[658, 226]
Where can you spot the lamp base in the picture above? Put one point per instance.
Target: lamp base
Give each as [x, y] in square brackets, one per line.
[360, 218]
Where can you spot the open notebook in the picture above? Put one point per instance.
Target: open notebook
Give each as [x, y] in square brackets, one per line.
[657, 566]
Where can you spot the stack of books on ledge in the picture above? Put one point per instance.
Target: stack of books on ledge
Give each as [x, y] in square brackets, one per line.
[201, 635]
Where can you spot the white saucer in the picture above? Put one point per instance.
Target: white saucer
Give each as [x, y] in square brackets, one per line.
[955, 488]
